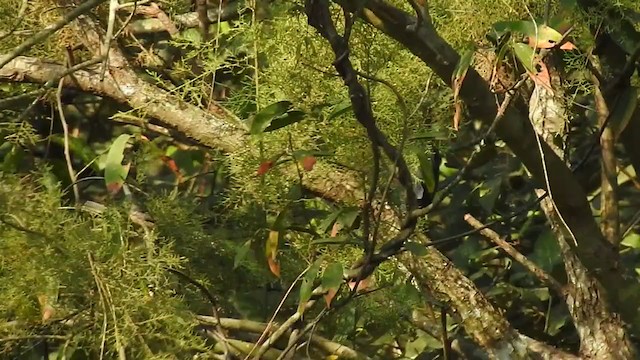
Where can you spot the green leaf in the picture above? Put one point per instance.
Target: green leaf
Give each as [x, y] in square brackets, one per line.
[623, 111]
[463, 65]
[332, 276]
[526, 56]
[282, 220]
[489, 194]
[348, 216]
[546, 252]
[415, 248]
[306, 288]
[328, 222]
[339, 109]
[241, 253]
[522, 27]
[285, 119]
[114, 172]
[262, 120]
[427, 174]
[632, 240]
[543, 33]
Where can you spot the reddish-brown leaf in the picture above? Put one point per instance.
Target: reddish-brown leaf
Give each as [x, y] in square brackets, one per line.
[264, 167]
[274, 266]
[362, 285]
[335, 229]
[328, 297]
[308, 162]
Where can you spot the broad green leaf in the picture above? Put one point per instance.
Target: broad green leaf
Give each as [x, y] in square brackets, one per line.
[522, 27]
[546, 252]
[262, 120]
[285, 119]
[632, 240]
[427, 174]
[328, 222]
[623, 110]
[339, 109]
[332, 276]
[306, 287]
[281, 221]
[489, 194]
[114, 172]
[526, 56]
[415, 248]
[348, 216]
[241, 253]
[544, 35]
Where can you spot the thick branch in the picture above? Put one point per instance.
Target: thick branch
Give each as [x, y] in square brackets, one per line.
[230, 10]
[515, 130]
[126, 88]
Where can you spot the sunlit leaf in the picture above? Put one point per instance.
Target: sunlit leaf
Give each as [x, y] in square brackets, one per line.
[526, 56]
[271, 252]
[115, 173]
[632, 240]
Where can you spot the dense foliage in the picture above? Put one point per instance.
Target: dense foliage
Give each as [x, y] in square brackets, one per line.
[319, 179]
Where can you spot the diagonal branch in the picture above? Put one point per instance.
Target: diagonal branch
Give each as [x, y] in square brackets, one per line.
[515, 130]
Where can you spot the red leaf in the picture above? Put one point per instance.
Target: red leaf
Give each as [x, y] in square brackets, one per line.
[308, 162]
[568, 46]
[264, 167]
[171, 164]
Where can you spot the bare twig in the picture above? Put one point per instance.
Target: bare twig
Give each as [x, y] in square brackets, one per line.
[516, 255]
[67, 152]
